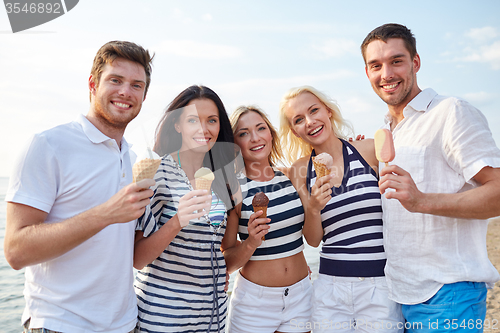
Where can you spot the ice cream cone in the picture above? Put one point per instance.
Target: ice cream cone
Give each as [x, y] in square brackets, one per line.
[204, 178]
[203, 184]
[145, 169]
[321, 169]
[260, 202]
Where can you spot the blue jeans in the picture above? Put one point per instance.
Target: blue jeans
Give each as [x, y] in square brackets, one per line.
[456, 307]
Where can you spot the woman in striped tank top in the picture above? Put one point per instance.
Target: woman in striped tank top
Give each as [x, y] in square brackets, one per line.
[344, 211]
[181, 283]
[272, 292]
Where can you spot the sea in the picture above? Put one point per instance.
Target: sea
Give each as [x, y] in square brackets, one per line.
[12, 281]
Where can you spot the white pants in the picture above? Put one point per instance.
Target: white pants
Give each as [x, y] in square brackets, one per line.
[255, 308]
[351, 304]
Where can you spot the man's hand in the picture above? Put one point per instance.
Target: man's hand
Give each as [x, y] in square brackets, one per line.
[129, 203]
[405, 190]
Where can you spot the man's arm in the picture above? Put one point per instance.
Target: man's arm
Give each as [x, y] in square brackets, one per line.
[29, 241]
[479, 203]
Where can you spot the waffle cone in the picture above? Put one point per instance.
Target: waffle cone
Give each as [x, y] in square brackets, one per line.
[145, 169]
[321, 170]
[264, 214]
[203, 184]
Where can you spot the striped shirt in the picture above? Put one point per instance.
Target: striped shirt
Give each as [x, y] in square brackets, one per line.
[175, 293]
[352, 221]
[285, 210]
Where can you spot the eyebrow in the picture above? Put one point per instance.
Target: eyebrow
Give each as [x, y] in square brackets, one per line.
[312, 105]
[246, 128]
[402, 55]
[122, 77]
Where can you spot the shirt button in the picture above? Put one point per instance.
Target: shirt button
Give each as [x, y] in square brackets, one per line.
[361, 278]
[123, 175]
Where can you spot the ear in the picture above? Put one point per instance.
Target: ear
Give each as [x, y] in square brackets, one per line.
[177, 127]
[366, 71]
[416, 63]
[92, 85]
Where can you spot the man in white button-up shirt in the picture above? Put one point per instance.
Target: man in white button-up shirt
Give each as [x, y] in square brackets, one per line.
[71, 207]
[441, 188]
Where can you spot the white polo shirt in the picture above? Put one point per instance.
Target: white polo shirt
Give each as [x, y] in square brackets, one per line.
[65, 171]
[443, 142]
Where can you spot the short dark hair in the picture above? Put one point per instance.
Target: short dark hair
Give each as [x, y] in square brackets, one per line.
[220, 157]
[121, 49]
[391, 30]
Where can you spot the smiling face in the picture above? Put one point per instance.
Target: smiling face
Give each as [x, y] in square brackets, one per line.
[309, 119]
[254, 138]
[392, 72]
[199, 125]
[118, 97]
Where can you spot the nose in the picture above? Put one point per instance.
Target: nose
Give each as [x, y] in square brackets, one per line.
[253, 136]
[124, 90]
[310, 120]
[387, 73]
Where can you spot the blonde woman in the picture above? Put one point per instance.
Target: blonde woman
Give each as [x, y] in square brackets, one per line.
[272, 291]
[344, 211]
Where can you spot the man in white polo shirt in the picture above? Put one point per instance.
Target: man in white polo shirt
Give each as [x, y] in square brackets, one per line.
[71, 207]
[441, 187]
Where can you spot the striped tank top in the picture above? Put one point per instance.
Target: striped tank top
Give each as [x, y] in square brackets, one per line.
[352, 221]
[183, 289]
[285, 210]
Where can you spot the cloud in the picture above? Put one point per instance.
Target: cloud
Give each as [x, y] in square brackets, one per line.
[482, 45]
[207, 17]
[479, 97]
[194, 49]
[482, 34]
[486, 54]
[337, 47]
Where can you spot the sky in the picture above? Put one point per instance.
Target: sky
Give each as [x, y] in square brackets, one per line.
[249, 52]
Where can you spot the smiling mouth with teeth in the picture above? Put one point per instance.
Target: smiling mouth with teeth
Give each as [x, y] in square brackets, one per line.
[316, 130]
[257, 148]
[122, 105]
[202, 140]
[390, 86]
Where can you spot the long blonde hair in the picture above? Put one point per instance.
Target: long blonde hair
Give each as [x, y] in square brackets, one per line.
[296, 147]
[276, 153]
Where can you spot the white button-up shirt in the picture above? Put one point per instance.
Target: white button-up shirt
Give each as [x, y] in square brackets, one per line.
[443, 142]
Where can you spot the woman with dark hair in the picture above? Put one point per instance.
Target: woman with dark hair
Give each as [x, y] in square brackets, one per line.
[180, 285]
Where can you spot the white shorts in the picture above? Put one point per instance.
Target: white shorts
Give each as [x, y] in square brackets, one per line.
[351, 304]
[255, 308]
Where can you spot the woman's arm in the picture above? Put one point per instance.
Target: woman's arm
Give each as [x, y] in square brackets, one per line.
[191, 205]
[236, 254]
[313, 203]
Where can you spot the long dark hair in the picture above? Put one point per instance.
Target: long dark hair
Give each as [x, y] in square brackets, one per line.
[220, 158]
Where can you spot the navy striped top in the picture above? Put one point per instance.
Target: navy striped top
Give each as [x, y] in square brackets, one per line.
[183, 289]
[285, 210]
[352, 221]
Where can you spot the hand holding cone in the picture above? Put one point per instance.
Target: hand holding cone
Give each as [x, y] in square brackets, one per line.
[260, 202]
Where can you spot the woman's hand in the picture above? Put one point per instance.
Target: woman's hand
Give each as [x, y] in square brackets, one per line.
[193, 205]
[257, 228]
[320, 193]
